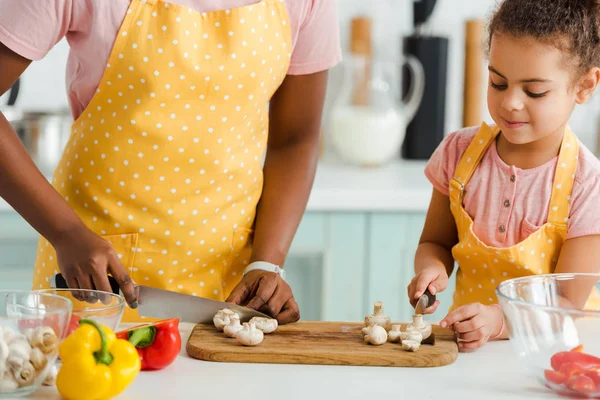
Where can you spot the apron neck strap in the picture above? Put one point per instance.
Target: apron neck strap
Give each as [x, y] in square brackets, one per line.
[471, 159]
[564, 176]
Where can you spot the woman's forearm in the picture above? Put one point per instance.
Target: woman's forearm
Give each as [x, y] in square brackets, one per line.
[24, 187]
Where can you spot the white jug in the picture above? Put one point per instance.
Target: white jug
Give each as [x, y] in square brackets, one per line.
[369, 119]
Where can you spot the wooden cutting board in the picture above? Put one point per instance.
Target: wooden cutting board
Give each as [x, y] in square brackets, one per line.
[322, 343]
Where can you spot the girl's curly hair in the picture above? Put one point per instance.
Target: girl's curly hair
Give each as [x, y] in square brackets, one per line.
[572, 26]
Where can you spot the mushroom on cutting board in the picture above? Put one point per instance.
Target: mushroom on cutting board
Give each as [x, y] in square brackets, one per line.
[249, 335]
[410, 345]
[222, 318]
[418, 325]
[413, 336]
[378, 317]
[394, 336]
[267, 325]
[376, 335]
[233, 327]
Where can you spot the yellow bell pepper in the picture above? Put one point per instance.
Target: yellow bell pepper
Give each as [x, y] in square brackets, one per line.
[95, 364]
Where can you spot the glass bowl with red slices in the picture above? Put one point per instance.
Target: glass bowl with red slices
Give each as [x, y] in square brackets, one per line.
[553, 322]
[103, 307]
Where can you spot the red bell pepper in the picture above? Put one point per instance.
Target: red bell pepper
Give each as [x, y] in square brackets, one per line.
[581, 384]
[158, 343]
[554, 377]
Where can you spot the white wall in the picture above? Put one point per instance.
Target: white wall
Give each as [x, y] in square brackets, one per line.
[392, 20]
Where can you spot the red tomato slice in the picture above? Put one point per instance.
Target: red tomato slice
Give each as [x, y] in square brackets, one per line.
[581, 384]
[555, 377]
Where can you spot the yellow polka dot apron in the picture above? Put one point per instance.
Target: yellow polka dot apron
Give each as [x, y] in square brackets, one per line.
[165, 161]
[480, 267]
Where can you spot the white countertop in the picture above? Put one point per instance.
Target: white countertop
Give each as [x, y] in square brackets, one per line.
[400, 186]
[492, 372]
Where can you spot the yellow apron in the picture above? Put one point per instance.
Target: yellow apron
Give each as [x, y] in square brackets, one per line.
[165, 161]
[480, 267]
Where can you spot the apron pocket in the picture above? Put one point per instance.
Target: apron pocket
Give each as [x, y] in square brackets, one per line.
[125, 246]
[527, 228]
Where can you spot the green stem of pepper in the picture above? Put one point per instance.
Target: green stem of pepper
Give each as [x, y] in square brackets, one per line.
[102, 356]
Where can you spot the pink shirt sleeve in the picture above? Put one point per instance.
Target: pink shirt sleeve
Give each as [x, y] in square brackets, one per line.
[318, 42]
[31, 28]
[584, 216]
[443, 161]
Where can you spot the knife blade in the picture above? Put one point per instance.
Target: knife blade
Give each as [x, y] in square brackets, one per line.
[163, 304]
[426, 300]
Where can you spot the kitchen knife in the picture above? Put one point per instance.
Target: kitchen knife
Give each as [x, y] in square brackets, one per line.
[426, 300]
[163, 304]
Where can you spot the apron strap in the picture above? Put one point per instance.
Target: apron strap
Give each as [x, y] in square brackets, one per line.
[470, 160]
[564, 176]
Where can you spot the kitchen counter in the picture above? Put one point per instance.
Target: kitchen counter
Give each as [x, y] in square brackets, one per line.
[492, 372]
[400, 186]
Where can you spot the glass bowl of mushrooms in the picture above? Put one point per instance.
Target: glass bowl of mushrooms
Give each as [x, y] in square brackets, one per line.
[31, 326]
[103, 307]
[553, 323]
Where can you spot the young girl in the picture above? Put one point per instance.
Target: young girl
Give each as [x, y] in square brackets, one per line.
[161, 179]
[520, 197]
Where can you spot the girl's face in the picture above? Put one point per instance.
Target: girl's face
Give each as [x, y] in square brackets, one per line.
[531, 91]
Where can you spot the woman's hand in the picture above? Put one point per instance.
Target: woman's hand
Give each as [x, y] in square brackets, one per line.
[85, 259]
[475, 323]
[268, 293]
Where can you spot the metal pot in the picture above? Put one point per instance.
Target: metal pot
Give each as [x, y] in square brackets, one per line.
[44, 134]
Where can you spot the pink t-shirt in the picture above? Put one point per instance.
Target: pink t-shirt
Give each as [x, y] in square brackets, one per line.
[31, 28]
[529, 195]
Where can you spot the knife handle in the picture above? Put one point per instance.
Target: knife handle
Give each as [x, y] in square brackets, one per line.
[59, 282]
[430, 297]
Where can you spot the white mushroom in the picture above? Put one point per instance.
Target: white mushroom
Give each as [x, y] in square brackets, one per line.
[410, 345]
[249, 335]
[3, 356]
[51, 377]
[8, 383]
[413, 336]
[19, 352]
[8, 334]
[234, 326]
[222, 318]
[376, 335]
[28, 333]
[44, 338]
[38, 359]
[25, 375]
[267, 325]
[418, 325]
[394, 334]
[378, 318]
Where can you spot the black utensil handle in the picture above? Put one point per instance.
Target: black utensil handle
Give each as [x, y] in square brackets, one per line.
[61, 283]
[422, 10]
[431, 298]
[14, 92]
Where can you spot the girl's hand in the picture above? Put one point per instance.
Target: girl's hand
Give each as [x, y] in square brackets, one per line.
[433, 278]
[475, 323]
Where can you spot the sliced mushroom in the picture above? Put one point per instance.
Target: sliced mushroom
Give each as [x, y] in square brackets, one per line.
[378, 317]
[412, 336]
[267, 325]
[8, 383]
[394, 334]
[249, 335]
[234, 326]
[222, 318]
[19, 352]
[376, 335]
[38, 359]
[410, 345]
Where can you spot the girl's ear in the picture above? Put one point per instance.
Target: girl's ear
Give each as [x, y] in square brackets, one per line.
[587, 85]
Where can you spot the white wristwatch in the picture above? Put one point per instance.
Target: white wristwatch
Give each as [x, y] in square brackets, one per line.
[265, 266]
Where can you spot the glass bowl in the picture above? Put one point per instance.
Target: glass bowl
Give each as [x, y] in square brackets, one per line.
[553, 323]
[31, 326]
[103, 307]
